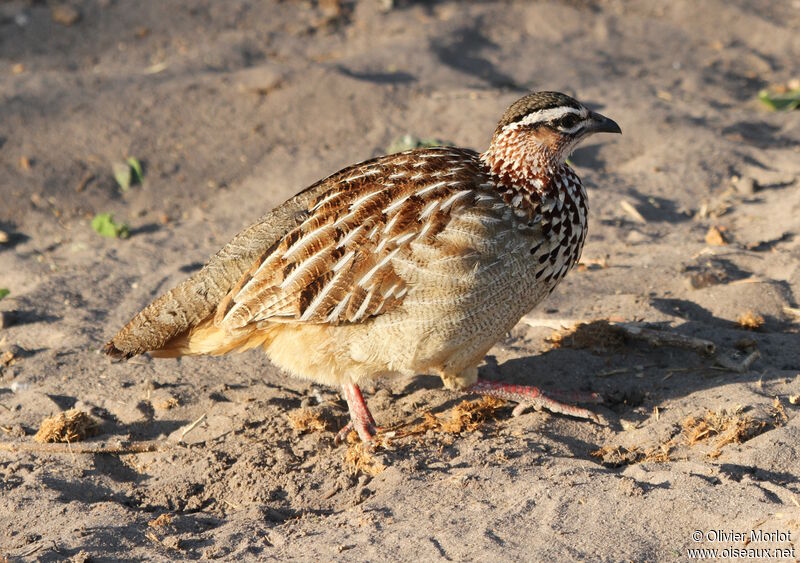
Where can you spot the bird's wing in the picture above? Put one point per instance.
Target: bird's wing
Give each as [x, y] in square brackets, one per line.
[337, 265]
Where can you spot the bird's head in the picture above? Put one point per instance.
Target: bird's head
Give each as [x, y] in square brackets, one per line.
[543, 128]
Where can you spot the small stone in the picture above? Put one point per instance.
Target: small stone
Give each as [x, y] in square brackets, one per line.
[172, 542]
[745, 344]
[7, 318]
[80, 557]
[65, 14]
[745, 186]
[700, 280]
[635, 237]
[331, 8]
[716, 236]
[4, 238]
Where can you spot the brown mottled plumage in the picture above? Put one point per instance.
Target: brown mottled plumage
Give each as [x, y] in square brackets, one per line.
[416, 262]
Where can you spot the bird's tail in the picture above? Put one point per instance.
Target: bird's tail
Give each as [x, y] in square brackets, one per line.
[176, 322]
[168, 317]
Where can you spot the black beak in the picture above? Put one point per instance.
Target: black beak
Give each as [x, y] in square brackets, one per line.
[601, 124]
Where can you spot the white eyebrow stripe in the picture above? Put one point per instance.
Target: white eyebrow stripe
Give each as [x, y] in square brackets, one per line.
[573, 129]
[545, 115]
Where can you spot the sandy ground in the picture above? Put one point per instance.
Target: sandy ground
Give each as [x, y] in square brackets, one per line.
[233, 106]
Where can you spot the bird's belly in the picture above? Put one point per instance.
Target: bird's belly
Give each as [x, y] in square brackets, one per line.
[448, 322]
[460, 302]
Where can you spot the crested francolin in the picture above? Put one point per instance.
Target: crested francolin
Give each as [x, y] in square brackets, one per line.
[411, 263]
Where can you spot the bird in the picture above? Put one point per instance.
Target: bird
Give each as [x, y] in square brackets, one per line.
[410, 263]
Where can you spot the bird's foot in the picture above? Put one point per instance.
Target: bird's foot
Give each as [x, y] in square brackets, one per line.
[360, 418]
[532, 397]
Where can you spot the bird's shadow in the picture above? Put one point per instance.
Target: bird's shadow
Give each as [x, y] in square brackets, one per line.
[629, 372]
[464, 50]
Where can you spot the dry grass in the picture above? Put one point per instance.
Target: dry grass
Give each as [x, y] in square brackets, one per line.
[359, 457]
[167, 404]
[467, 416]
[750, 320]
[307, 420]
[727, 428]
[71, 426]
[716, 236]
[162, 521]
[7, 358]
[717, 429]
[617, 456]
[778, 413]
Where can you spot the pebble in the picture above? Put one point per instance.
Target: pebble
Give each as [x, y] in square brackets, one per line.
[745, 186]
[65, 14]
[635, 237]
[7, 319]
[4, 238]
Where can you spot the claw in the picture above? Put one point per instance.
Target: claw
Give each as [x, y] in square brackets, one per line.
[533, 397]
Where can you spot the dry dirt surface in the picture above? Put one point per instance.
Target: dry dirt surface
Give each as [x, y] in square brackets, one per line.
[231, 107]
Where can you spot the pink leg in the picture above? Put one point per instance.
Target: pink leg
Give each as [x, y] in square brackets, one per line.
[360, 418]
[528, 396]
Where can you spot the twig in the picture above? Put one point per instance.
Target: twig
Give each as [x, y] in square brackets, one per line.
[632, 212]
[191, 427]
[553, 324]
[66, 448]
[31, 551]
[664, 338]
[652, 336]
[793, 311]
[611, 372]
[727, 363]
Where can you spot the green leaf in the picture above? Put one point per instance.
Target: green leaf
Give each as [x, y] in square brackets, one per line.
[128, 173]
[4, 292]
[122, 174]
[786, 101]
[136, 167]
[105, 226]
[408, 141]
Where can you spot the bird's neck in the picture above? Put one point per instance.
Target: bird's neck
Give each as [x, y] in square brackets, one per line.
[522, 166]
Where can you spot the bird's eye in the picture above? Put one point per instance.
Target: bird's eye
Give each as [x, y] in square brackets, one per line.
[568, 121]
